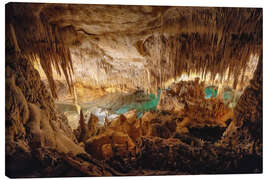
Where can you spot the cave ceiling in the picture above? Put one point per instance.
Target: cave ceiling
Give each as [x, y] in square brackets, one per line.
[134, 46]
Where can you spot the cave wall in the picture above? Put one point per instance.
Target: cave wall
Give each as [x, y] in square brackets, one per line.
[245, 131]
[238, 151]
[37, 137]
[141, 46]
[36, 134]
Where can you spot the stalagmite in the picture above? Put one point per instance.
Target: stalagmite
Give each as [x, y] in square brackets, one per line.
[78, 108]
[102, 90]
[92, 125]
[82, 128]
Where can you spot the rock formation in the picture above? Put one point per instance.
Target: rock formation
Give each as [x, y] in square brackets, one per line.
[37, 136]
[57, 49]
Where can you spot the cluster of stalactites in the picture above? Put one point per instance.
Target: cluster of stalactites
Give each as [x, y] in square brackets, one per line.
[38, 40]
[211, 42]
[217, 44]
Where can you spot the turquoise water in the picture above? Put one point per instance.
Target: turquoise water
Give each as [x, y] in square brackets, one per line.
[210, 92]
[141, 107]
[228, 95]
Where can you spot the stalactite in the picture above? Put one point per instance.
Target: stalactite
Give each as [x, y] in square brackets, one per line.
[193, 49]
[13, 35]
[205, 41]
[214, 43]
[40, 40]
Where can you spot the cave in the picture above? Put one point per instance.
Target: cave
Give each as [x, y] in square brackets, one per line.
[132, 90]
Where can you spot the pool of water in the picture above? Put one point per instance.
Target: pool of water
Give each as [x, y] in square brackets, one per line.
[111, 105]
[210, 91]
[141, 107]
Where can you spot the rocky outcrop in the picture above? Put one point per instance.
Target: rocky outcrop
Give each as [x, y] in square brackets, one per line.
[187, 100]
[246, 128]
[185, 154]
[109, 144]
[36, 135]
[43, 138]
[131, 48]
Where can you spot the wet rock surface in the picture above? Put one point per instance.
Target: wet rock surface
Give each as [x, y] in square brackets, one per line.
[185, 134]
[37, 136]
[126, 145]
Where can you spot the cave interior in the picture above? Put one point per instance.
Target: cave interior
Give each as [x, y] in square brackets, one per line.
[121, 90]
